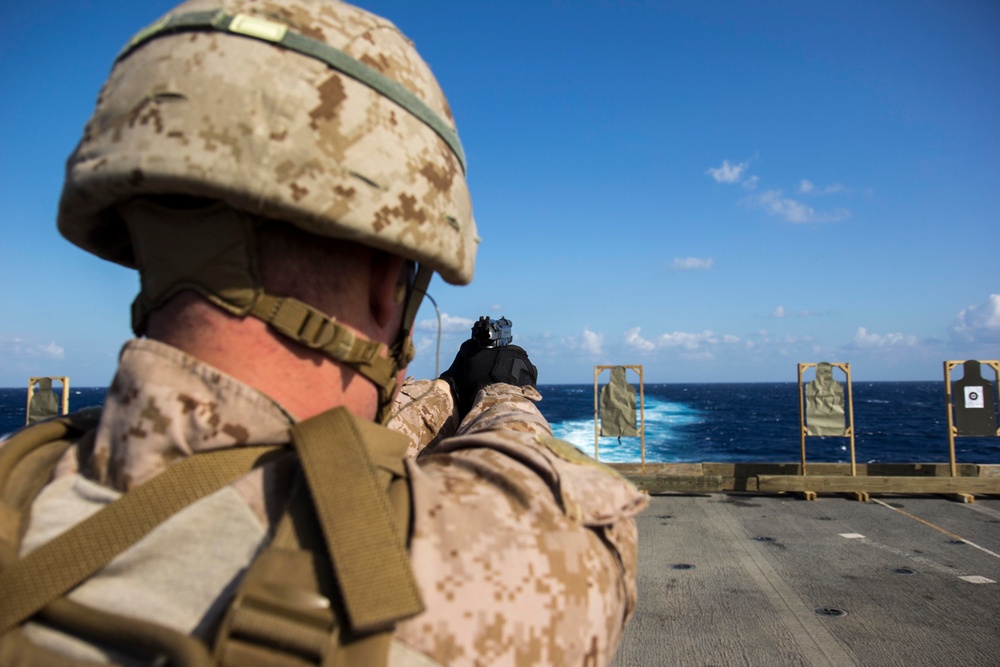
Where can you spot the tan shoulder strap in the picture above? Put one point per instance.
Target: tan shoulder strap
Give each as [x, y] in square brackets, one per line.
[31, 583]
[16, 453]
[366, 546]
[359, 498]
[331, 596]
[158, 643]
[22, 442]
[27, 459]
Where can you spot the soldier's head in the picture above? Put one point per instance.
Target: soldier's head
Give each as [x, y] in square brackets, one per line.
[231, 126]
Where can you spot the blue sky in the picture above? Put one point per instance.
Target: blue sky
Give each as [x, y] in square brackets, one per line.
[714, 190]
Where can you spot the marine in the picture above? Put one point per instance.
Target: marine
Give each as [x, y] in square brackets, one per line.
[262, 486]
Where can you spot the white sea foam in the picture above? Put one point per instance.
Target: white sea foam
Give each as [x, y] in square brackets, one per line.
[662, 420]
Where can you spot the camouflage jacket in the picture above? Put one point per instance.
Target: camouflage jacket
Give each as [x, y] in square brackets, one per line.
[523, 549]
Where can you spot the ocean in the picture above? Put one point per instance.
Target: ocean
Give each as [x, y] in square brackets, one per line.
[898, 422]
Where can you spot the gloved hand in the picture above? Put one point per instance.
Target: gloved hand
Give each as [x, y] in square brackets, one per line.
[476, 367]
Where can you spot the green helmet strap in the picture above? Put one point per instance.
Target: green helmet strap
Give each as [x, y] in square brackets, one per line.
[212, 251]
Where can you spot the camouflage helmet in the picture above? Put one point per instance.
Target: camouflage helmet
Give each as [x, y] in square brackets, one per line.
[311, 112]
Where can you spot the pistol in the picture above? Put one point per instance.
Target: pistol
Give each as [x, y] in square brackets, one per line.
[492, 333]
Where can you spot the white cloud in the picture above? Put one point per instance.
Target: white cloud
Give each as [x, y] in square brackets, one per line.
[693, 341]
[728, 173]
[864, 339]
[637, 342]
[592, 342]
[807, 187]
[979, 323]
[424, 344]
[691, 263]
[697, 346]
[781, 343]
[781, 312]
[449, 324]
[775, 203]
[52, 351]
[791, 210]
[684, 339]
[15, 347]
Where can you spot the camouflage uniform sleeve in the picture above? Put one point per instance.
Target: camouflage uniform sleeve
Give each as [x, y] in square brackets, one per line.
[425, 412]
[525, 550]
[504, 406]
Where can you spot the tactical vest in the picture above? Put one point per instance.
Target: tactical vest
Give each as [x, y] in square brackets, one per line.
[327, 590]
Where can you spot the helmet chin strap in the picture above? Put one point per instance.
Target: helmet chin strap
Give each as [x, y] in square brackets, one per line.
[309, 327]
[178, 250]
[379, 364]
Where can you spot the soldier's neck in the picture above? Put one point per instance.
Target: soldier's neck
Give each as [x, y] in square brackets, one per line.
[304, 382]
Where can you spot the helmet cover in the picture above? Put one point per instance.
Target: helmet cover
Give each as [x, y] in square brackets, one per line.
[237, 116]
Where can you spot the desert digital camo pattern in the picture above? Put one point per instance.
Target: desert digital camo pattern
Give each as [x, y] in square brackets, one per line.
[276, 133]
[164, 405]
[524, 549]
[523, 557]
[425, 412]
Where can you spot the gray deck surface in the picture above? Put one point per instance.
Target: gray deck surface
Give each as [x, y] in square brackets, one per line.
[751, 601]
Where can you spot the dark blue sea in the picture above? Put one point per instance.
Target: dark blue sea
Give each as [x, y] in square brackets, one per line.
[899, 422]
[894, 422]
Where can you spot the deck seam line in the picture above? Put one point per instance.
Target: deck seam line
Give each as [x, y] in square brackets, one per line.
[824, 649]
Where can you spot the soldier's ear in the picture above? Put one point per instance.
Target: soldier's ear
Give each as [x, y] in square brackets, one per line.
[387, 280]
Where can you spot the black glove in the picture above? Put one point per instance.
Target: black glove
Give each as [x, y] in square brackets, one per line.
[476, 367]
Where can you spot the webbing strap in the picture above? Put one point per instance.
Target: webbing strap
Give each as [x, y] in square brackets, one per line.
[278, 33]
[23, 442]
[367, 548]
[133, 635]
[308, 326]
[60, 564]
[304, 324]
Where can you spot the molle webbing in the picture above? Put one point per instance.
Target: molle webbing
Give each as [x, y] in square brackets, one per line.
[328, 591]
[331, 586]
[279, 34]
[366, 546]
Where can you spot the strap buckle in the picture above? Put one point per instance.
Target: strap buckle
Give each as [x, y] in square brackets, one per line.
[289, 620]
[304, 606]
[316, 330]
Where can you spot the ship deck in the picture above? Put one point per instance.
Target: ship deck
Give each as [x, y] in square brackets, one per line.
[771, 579]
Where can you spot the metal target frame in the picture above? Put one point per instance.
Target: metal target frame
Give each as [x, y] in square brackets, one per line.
[642, 409]
[953, 433]
[849, 414]
[64, 393]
